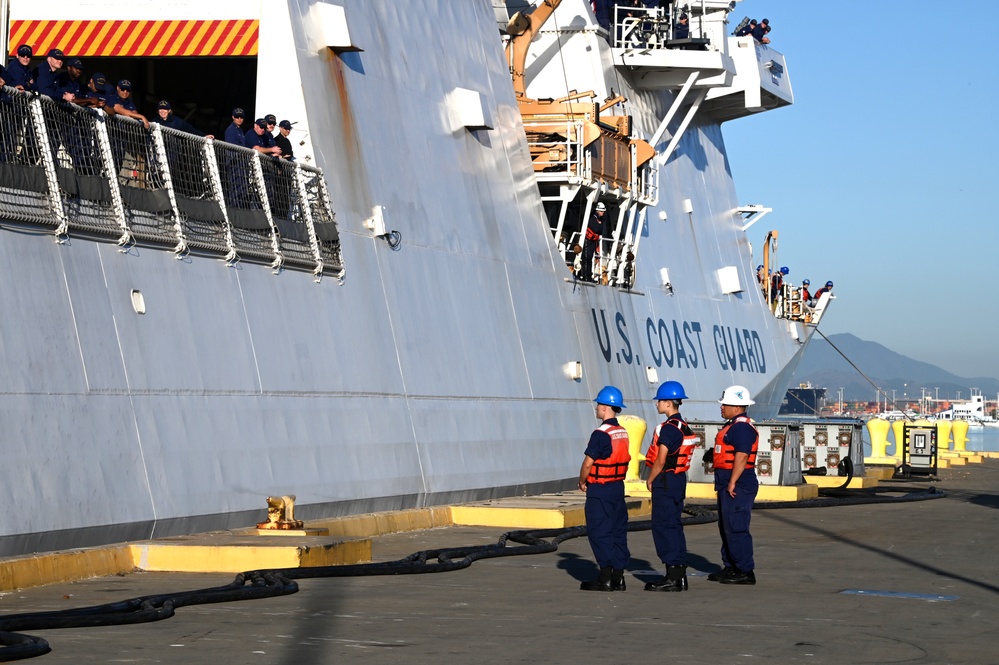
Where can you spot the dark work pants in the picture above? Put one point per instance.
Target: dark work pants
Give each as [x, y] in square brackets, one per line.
[733, 521]
[607, 524]
[668, 492]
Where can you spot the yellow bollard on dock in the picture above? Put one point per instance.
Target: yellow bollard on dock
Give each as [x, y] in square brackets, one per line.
[636, 433]
[943, 434]
[960, 429]
[878, 429]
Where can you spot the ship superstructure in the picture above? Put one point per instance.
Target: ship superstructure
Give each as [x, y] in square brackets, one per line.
[394, 320]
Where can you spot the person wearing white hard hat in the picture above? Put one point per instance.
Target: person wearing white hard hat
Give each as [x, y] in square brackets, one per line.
[737, 486]
[594, 233]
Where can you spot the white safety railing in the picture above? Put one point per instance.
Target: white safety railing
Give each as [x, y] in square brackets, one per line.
[77, 170]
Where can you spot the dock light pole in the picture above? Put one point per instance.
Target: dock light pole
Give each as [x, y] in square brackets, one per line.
[841, 400]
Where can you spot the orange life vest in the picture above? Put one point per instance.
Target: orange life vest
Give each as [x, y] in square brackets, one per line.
[725, 453]
[615, 467]
[678, 462]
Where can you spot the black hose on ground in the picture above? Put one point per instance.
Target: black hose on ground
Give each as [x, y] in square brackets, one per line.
[280, 582]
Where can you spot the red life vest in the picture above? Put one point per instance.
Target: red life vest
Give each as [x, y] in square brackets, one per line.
[615, 467]
[725, 452]
[678, 462]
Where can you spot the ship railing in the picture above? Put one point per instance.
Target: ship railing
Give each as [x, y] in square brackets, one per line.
[75, 169]
[557, 150]
[651, 28]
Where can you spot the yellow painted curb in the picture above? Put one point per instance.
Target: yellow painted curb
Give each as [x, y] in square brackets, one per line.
[377, 524]
[521, 518]
[856, 482]
[191, 558]
[67, 566]
[881, 464]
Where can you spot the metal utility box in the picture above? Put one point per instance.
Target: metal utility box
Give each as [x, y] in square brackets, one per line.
[919, 450]
[827, 443]
[778, 457]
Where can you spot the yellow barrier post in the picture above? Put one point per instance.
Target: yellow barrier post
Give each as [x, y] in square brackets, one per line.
[896, 430]
[878, 429]
[943, 434]
[960, 429]
[635, 427]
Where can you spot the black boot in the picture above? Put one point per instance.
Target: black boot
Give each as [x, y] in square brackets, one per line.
[724, 572]
[739, 577]
[602, 583]
[675, 579]
[617, 580]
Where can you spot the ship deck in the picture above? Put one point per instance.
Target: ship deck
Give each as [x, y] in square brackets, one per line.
[909, 582]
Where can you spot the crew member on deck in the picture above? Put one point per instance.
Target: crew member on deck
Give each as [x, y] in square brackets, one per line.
[748, 29]
[18, 73]
[283, 142]
[594, 233]
[669, 456]
[736, 485]
[121, 102]
[234, 132]
[601, 476]
[760, 31]
[825, 289]
[682, 28]
[260, 139]
[166, 117]
[47, 77]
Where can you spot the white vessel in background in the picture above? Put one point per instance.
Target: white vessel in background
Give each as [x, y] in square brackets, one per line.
[394, 319]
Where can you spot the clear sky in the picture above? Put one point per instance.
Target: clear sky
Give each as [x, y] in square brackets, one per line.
[883, 175]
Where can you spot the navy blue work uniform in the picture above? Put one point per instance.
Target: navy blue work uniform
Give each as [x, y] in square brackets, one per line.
[181, 125]
[605, 509]
[265, 140]
[235, 136]
[669, 489]
[48, 82]
[734, 513]
[17, 74]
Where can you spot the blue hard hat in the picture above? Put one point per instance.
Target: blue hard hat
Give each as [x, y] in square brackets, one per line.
[759, 267]
[670, 390]
[805, 282]
[829, 284]
[610, 396]
[784, 270]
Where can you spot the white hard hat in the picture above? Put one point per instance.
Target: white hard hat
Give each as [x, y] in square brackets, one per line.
[736, 396]
[601, 206]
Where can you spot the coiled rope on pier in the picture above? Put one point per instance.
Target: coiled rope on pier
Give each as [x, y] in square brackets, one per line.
[281, 582]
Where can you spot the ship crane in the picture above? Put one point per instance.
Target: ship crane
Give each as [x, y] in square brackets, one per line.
[581, 155]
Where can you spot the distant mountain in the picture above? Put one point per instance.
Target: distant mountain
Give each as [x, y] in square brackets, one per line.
[824, 367]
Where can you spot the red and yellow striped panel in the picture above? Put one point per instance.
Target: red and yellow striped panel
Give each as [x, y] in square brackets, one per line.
[138, 38]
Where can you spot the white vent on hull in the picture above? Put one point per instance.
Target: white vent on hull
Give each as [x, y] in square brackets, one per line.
[332, 23]
[467, 110]
[728, 279]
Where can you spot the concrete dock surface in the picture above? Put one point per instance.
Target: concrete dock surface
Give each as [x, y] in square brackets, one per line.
[893, 583]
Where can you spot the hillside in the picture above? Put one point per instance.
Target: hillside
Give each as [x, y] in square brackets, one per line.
[823, 367]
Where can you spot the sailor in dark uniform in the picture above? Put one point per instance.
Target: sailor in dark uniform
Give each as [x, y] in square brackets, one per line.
[18, 73]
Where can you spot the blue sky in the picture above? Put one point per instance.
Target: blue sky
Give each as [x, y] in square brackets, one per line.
[882, 174]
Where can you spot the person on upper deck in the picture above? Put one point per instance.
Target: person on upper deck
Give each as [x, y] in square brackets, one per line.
[97, 92]
[73, 88]
[18, 73]
[594, 233]
[47, 76]
[805, 295]
[283, 142]
[825, 289]
[165, 117]
[234, 132]
[121, 102]
[747, 30]
[761, 30]
[260, 139]
[682, 28]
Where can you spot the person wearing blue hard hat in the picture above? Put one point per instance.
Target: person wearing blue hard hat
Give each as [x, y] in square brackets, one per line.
[669, 456]
[825, 289]
[736, 484]
[601, 476]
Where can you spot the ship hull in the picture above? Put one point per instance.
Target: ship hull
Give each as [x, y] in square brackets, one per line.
[429, 375]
